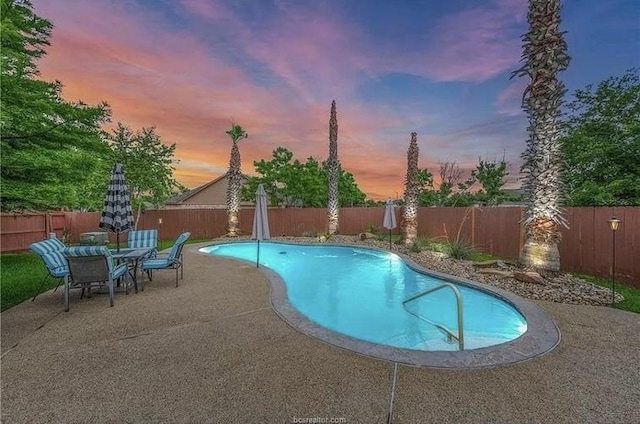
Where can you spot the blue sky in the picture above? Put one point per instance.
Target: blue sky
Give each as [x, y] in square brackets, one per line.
[191, 67]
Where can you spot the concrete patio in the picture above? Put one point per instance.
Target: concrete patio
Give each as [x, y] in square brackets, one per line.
[214, 351]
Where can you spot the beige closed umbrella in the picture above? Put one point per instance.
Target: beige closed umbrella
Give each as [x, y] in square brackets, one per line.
[389, 221]
[260, 229]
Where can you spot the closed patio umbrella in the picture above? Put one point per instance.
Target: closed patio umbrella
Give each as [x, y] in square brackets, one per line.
[260, 220]
[389, 221]
[116, 215]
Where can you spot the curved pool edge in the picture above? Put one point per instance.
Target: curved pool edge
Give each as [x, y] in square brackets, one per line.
[541, 337]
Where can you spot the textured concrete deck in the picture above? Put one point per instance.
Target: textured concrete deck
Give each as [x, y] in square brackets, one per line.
[213, 350]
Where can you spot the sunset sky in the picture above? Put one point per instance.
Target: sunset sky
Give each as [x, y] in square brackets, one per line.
[440, 68]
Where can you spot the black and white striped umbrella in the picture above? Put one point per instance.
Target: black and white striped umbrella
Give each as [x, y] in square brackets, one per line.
[117, 216]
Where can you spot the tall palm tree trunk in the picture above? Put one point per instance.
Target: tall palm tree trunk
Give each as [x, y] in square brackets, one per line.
[333, 166]
[234, 179]
[234, 183]
[545, 56]
[409, 225]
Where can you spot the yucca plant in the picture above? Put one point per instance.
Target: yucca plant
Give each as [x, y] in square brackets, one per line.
[419, 245]
[333, 166]
[460, 249]
[544, 57]
[234, 179]
[409, 225]
[416, 246]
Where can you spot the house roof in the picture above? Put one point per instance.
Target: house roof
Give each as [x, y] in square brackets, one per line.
[180, 198]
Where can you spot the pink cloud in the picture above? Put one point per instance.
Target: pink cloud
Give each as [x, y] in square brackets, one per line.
[315, 53]
[190, 92]
[210, 9]
[473, 44]
[151, 88]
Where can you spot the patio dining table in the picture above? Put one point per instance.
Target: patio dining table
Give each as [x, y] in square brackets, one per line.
[132, 256]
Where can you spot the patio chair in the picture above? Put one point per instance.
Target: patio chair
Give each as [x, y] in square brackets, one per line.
[50, 251]
[139, 239]
[173, 260]
[91, 266]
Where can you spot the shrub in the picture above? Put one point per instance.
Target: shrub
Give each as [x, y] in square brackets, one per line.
[420, 244]
[460, 249]
[373, 229]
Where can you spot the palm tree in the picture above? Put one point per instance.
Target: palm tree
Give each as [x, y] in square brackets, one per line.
[544, 56]
[333, 167]
[234, 178]
[409, 225]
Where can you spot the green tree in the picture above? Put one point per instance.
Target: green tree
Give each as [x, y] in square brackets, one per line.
[277, 176]
[290, 182]
[349, 193]
[52, 150]
[148, 164]
[601, 143]
[491, 175]
[450, 176]
[544, 56]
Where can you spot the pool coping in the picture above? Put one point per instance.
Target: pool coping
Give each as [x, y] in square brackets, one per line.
[541, 337]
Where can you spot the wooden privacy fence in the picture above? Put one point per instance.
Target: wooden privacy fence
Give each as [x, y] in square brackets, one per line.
[586, 246]
[18, 231]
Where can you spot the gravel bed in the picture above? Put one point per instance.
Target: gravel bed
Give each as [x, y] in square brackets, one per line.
[557, 287]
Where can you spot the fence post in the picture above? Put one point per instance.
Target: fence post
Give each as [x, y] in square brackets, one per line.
[521, 238]
[473, 226]
[47, 223]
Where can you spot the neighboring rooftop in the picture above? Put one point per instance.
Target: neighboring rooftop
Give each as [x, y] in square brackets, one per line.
[211, 195]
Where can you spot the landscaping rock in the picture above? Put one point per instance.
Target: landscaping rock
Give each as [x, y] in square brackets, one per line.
[529, 277]
[485, 264]
[493, 271]
[367, 236]
[501, 264]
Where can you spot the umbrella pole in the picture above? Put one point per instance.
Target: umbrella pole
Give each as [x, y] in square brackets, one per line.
[389, 238]
[118, 241]
[258, 257]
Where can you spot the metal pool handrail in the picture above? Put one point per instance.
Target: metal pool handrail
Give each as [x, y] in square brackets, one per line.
[460, 336]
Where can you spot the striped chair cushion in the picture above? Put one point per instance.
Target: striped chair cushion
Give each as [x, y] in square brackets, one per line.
[50, 251]
[47, 246]
[177, 245]
[74, 251]
[143, 238]
[56, 263]
[86, 251]
[119, 271]
[157, 263]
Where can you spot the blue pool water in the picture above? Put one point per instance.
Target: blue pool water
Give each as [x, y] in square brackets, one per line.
[359, 292]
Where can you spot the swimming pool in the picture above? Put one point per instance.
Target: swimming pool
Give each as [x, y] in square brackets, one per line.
[359, 292]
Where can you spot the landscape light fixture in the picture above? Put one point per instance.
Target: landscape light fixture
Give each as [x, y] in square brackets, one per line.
[613, 224]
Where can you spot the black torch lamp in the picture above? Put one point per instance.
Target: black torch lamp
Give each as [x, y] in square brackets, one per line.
[613, 224]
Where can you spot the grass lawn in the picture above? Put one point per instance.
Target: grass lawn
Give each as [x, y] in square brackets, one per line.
[631, 295]
[22, 273]
[20, 277]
